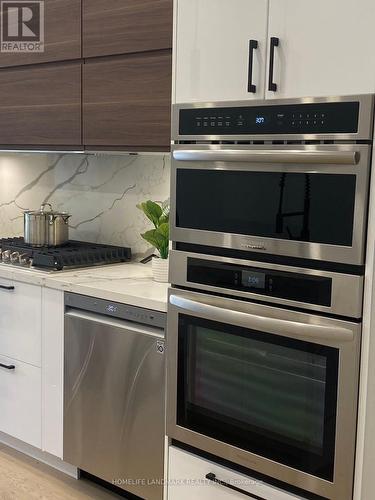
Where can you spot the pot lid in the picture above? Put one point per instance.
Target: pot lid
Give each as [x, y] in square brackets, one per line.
[43, 211]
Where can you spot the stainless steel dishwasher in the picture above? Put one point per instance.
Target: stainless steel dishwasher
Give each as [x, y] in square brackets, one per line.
[114, 411]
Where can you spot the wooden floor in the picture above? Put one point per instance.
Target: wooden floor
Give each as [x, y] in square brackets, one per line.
[22, 478]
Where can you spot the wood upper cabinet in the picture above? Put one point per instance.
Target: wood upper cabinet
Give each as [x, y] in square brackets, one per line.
[62, 35]
[125, 26]
[41, 105]
[127, 100]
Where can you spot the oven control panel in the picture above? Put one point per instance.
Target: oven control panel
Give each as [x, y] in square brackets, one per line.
[311, 118]
[307, 288]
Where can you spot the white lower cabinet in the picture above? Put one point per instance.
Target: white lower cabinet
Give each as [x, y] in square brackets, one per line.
[187, 481]
[20, 321]
[53, 371]
[21, 401]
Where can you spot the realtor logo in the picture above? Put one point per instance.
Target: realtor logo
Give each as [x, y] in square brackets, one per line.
[22, 26]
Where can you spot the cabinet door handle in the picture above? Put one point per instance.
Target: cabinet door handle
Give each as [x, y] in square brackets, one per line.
[8, 288]
[274, 43]
[7, 367]
[253, 45]
[212, 477]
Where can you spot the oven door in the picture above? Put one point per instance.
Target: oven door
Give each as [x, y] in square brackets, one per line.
[269, 389]
[306, 201]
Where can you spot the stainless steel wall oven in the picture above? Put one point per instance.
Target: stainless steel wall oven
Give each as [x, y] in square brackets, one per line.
[269, 215]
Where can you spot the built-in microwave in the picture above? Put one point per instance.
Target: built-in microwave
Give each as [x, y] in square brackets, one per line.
[283, 178]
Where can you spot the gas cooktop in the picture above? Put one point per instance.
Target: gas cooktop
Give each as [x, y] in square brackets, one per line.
[71, 255]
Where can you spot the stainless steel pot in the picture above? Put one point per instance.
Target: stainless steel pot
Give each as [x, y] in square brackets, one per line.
[57, 228]
[46, 227]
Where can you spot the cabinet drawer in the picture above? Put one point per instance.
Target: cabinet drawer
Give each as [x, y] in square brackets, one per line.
[21, 401]
[20, 321]
[187, 480]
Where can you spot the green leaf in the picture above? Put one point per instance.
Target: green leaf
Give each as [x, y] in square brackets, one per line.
[164, 219]
[152, 211]
[152, 237]
[163, 229]
[159, 238]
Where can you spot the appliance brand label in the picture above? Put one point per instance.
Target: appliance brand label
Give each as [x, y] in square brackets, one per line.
[251, 245]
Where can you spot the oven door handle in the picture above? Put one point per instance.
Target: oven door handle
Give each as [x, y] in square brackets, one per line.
[294, 329]
[269, 156]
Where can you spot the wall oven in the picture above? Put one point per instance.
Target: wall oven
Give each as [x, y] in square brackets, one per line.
[267, 388]
[284, 178]
[269, 205]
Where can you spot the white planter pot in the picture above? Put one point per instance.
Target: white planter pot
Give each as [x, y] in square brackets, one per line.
[160, 268]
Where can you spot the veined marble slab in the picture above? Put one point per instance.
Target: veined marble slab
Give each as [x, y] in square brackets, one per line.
[127, 283]
[100, 191]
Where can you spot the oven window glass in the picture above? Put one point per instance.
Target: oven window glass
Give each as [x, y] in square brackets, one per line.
[316, 208]
[267, 394]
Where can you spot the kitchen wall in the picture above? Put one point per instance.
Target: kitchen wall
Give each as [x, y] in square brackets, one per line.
[100, 191]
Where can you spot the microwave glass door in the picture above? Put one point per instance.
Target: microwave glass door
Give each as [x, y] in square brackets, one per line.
[271, 395]
[309, 207]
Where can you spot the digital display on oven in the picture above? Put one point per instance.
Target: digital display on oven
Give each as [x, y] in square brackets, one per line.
[260, 120]
[252, 279]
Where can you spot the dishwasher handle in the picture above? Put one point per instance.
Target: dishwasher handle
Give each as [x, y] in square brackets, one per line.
[123, 324]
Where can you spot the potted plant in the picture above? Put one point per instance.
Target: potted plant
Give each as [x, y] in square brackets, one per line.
[158, 237]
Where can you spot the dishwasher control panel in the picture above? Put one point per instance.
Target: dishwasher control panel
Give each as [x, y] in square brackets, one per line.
[116, 310]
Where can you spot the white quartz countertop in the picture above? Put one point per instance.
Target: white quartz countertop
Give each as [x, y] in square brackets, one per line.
[128, 283]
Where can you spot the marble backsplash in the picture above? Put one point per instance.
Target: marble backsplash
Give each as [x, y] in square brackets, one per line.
[100, 191]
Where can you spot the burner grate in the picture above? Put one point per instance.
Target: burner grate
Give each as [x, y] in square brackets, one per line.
[72, 254]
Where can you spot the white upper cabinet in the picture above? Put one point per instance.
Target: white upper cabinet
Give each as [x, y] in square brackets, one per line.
[319, 48]
[325, 47]
[212, 49]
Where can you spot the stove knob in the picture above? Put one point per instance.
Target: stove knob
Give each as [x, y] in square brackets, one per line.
[15, 257]
[24, 260]
[5, 256]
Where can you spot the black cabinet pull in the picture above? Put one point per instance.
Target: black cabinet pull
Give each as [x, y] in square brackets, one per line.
[274, 43]
[253, 45]
[7, 367]
[212, 477]
[5, 287]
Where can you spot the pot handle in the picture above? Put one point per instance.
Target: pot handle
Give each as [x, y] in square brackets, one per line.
[66, 218]
[43, 205]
